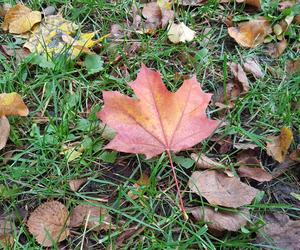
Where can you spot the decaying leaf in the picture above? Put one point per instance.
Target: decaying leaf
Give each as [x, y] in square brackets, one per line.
[221, 220]
[18, 53]
[255, 3]
[255, 173]
[251, 66]
[158, 14]
[12, 104]
[20, 19]
[157, 120]
[142, 181]
[75, 184]
[276, 49]
[280, 232]
[239, 75]
[293, 66]
[219, 189]
[92, 215]
[205, 162]
[49, 223]
[252, 33]
[224, 143]
[279, 145]
[6, 230]
[295, 155]
[180, 33]
[4, 128]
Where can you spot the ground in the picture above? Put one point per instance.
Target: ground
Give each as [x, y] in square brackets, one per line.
[63, 102]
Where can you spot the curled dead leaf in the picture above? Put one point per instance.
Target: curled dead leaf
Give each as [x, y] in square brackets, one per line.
[254, 173]
[205, 162]
[239, 75]
[295, 155]
[252, 33]
[293, 66]
[180, 33]
[221, 220]
[92, 215]
[20, 19]
[49, 223]
[251, 66]
[219, 189]
[75, 184]
[279, 145]
[5, 129]
[276, 49]
[12, 104]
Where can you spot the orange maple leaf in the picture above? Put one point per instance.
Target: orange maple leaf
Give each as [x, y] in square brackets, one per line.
[157, 120]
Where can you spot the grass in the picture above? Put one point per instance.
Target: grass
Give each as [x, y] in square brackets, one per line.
[63, 102]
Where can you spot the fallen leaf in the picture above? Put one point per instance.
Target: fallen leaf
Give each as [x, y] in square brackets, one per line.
[204, 162]
[49, 223]
[49, 10]
[92, 215]
[127, 234]
[279, 145]
[252, 33]
[239, 75]
[6, 232]
[254, 173]
[245, 146]
[276, 49]
[12, 104]
[255, 3]
[4, 128]
[141, 182]
[226, 99]
[225, 143]
[75, 184]
[251, 66]
[180, 33]
[221, 220]
[18, 53]
[280, 232]
[157, 120]
[71, 152]
[20, 19]
[219, 189]
[158, 14]
[293, 66]
[191, 2]
[294, 156]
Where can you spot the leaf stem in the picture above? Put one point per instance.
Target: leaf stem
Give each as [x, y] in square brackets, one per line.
[177, 186]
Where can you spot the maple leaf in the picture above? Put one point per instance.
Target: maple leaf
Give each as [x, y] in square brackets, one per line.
[158, 120]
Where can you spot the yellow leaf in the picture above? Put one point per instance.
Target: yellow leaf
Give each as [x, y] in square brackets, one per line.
[12, 104]
[279, 145]
[20, 19]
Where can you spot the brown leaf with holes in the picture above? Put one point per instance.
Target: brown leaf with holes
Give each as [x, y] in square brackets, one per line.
[279, 145]
[280, 231]
[49, 223]
[4, 128]
[20, 19]
[219, 189]
[252, 33]
[251, 66]
[92, 215]
[240, 75]
[12, 104]
[221, 220]
[75, 184]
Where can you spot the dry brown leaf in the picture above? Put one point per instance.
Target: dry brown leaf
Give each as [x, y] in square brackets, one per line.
[12, 104]
[293, 66]
[142, 181]
[126, 235]
[75, 184]
[254, 3]
[233, 91]
[295, 155]
[18, 53]
[239, 75]
[279, 145]
[49, 223]
[180, 33]
[280, 232]
[224, 143]
[4, 128]
[221, 220]
[20, 19]
[95, 217]
[204, 162]
[276, 49]
[254, 173]
[251, 66]
[252, 33]
[219, 189]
